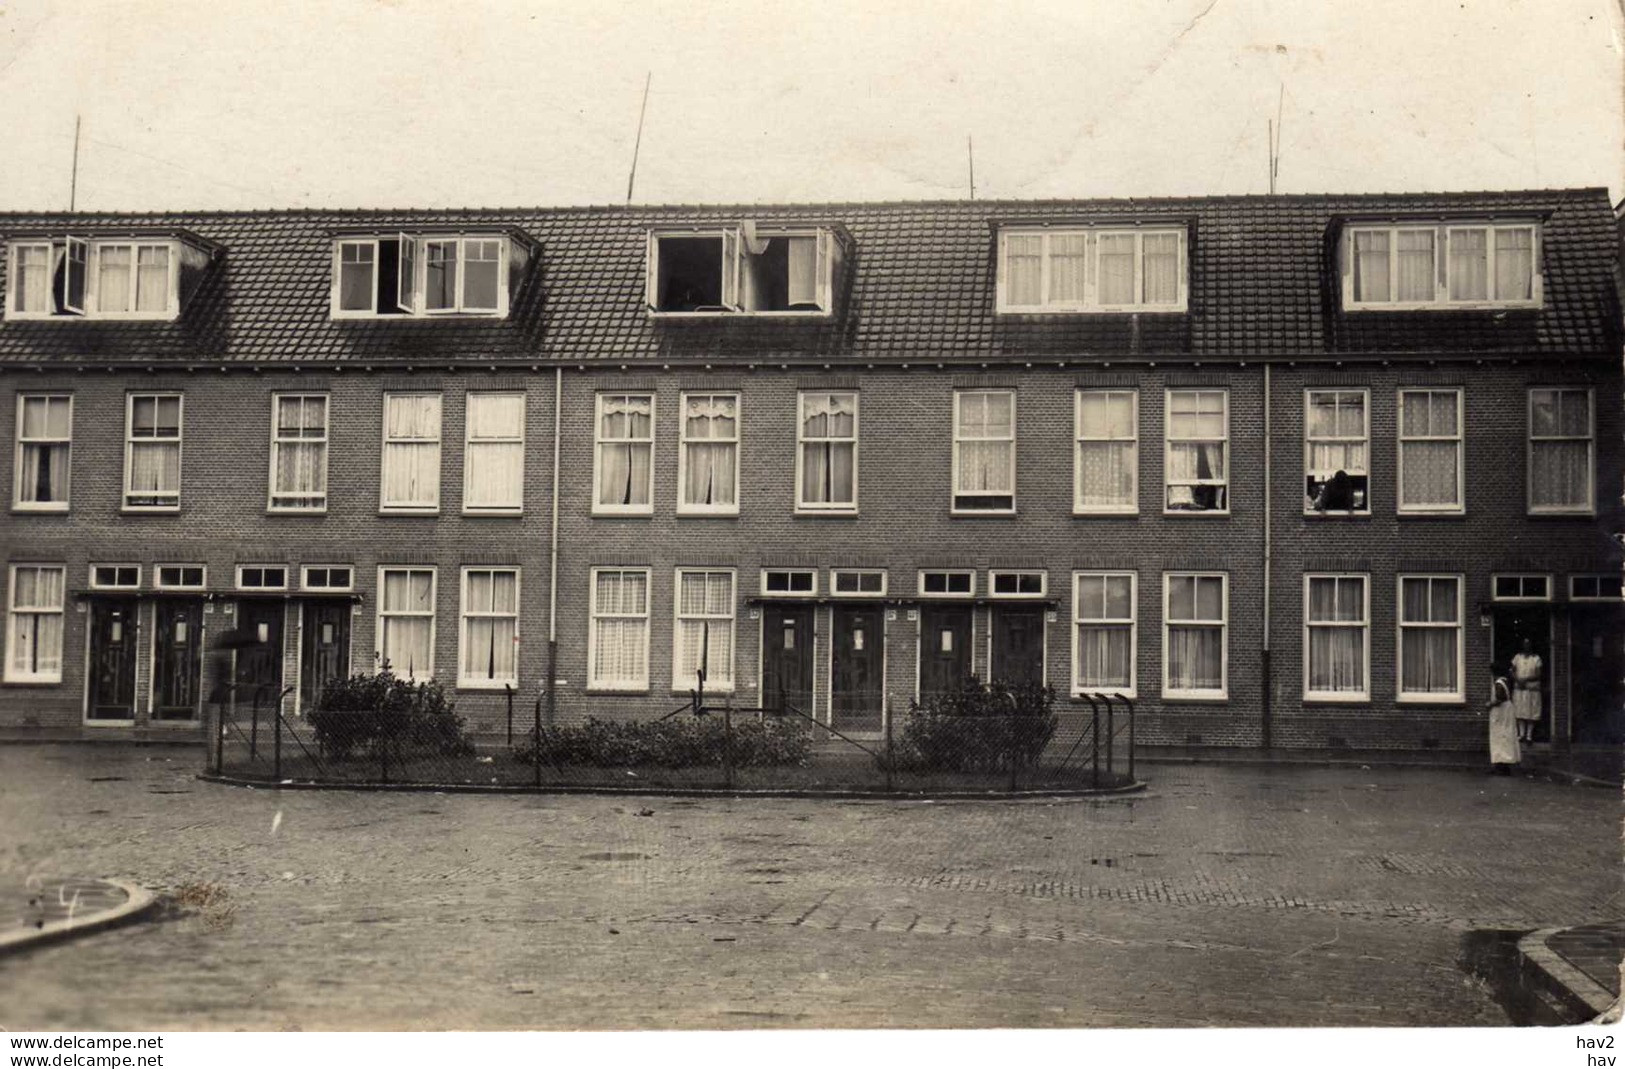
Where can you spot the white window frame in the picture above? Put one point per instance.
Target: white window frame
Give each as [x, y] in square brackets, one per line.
[810, 573]
[1602, 599]
[1079, 506]
[967, 573]
[1522, 577]
[1407, 697]
[837, 574]
[411, 508]
[1223, 624]
[90, 249]
[1168, 441]
[17, 502]
[306, 570]
[465, 616]
[1441, 231]
[734, 250]
[13, 612]
[1364, 438]
[995, 574]
[433, 614]
[625, 685]
[1459, 438]
[129, 451]
[684, 507]
[158, 582]
[318, 501]
[818, 507]
[97, 584]
[1590, 506]
[954, 493]
[1364, 625]
[599, 442]
[13, 253]
[1132, 622]
[412, 273]
[264, 586]
[682, 682]
[517, 505]
[1091, 288]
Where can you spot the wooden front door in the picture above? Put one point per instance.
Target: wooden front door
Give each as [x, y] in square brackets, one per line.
[177, 658]
[1018, 645]
[259, 665]
[1597, 664]
[945, 651]
[787, 657]
[112, 659]
[858, 650]
[324, 648]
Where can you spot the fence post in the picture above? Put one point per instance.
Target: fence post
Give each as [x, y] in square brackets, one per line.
[890, 760]
[1130, 703]
[1094, 740]
[382, 741]
[254, 728]
[1111, 733]
[507, 689]
[537, 734]
[219, 736]
[728, 745]
[276, 742]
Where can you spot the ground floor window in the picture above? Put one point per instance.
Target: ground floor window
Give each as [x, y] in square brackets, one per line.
[34, 624]
[1195, 638]
[406, 621]
[1104, 646]
[618, 638]
[705, 630]
[1336, 650]
[1430, 645]
[490, 631]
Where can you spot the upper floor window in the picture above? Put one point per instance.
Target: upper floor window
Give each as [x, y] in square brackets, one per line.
[984, 462]
[1198, 451]
[1405, 266]
[625, 429]
[107, 278]
[298, 452]
[743, 270]
[494, 453]
[425, 275]
[1430, 451]
[1092, 269]
[152, 452]
[44, 447]
[411, 461]
[1108, 459]
[1335, 439]
[1561, 443]
[827, 464]
[708, 460]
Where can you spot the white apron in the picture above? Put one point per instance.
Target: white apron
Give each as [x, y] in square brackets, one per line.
[1503, 729]
[1526, 687]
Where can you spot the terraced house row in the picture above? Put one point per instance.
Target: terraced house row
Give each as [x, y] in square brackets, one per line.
[1287, 471]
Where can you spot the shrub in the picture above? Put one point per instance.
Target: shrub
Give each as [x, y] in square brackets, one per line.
[979, 728]
[370, 711]
[686, 742]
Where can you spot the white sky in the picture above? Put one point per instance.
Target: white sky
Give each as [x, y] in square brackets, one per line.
[234, 104]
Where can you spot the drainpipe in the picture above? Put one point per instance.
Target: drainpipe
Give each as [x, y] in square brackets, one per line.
[1269, 489]
[553, 557]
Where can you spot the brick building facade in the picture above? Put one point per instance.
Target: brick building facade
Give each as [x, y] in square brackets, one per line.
[843, 454]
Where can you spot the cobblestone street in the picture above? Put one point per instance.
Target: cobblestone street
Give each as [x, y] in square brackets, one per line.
[1224, 896]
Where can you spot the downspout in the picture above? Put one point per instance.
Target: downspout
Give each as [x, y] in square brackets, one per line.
[1269, 489]
[553, 557]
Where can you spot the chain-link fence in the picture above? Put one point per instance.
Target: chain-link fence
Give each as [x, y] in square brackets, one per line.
[695, 747]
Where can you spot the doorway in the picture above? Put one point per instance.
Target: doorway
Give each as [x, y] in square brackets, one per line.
[177, 670]
[1513, 624]
[945, 649]
[787, 657]
[324, 648]
[857, 668]
[1597, 675]
[258, 671]
[1018, 646]
[111, 696]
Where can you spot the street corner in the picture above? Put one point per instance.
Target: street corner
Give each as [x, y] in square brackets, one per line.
[50, 909]
[1576, 971]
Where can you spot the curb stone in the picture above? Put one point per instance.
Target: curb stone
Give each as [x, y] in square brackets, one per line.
[138, 902]
[1585, 999]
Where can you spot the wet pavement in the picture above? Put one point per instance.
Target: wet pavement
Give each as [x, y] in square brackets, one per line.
[1227, 895]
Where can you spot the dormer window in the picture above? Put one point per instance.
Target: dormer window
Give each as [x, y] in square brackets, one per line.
[1408, 266]
[1071, 269]
[743, 270]
[99, 278]
[425, 275]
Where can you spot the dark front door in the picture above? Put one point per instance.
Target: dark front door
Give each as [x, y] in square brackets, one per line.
[324, 648]
[1018, 645]
[858, 663]
[787, 657]
[259, 663]
[1513, 624]
[177, 658]
[112, 659]
[945, 649]
[1597, 661]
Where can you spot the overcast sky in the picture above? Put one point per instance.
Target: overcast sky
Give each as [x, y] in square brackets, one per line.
[233, 104]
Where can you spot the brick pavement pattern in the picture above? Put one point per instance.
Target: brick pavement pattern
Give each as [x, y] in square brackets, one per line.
[1226, 896]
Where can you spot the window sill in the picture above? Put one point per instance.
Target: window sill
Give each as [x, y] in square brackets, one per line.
[1561, 514]
[511, 514]
[1431, 514]
[1085, 514]
[412, 317]
[1442, 701]
[1327, 514]
[41, 510]
[101, 723]
[92, 317]
[1337, 699]
[1098, 310]
[296, 512]
[409, 512]
[730, 313]
[150, 510]
[1077, 698]
[1196, 698]
[997, 514]
[698, 514]
[1196, 512]
[488, 686]
[612, 691]
[623, 514]
[1445, 306]
[42, 681]
[726, 691]
[827, 514]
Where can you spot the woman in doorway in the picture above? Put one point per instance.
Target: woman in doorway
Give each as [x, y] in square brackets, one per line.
[1504, 750]
[1526, 673]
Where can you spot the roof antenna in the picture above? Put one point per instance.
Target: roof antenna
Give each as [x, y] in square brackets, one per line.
[1275, 138]
[637, 144]
[970, 158]
[73, 181]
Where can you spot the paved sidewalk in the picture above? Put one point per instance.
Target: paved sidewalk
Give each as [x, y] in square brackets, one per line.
[46, 910]
[1578, 968]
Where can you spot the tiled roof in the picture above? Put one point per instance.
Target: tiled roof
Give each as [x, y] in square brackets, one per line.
[920, 287]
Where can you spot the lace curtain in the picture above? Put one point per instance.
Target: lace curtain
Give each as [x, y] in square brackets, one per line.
[625, 432]
[1469, 265]
[1336, 635]
[620, 653]
[37, 621]
[1103, 656]
[489, 650]
[1429, 633]
[1195, 657]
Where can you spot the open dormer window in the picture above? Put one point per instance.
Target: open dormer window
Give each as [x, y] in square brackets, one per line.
[1405, 266]
[1068, 269]
[128, 277]
[425, 275]
[743, 270]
